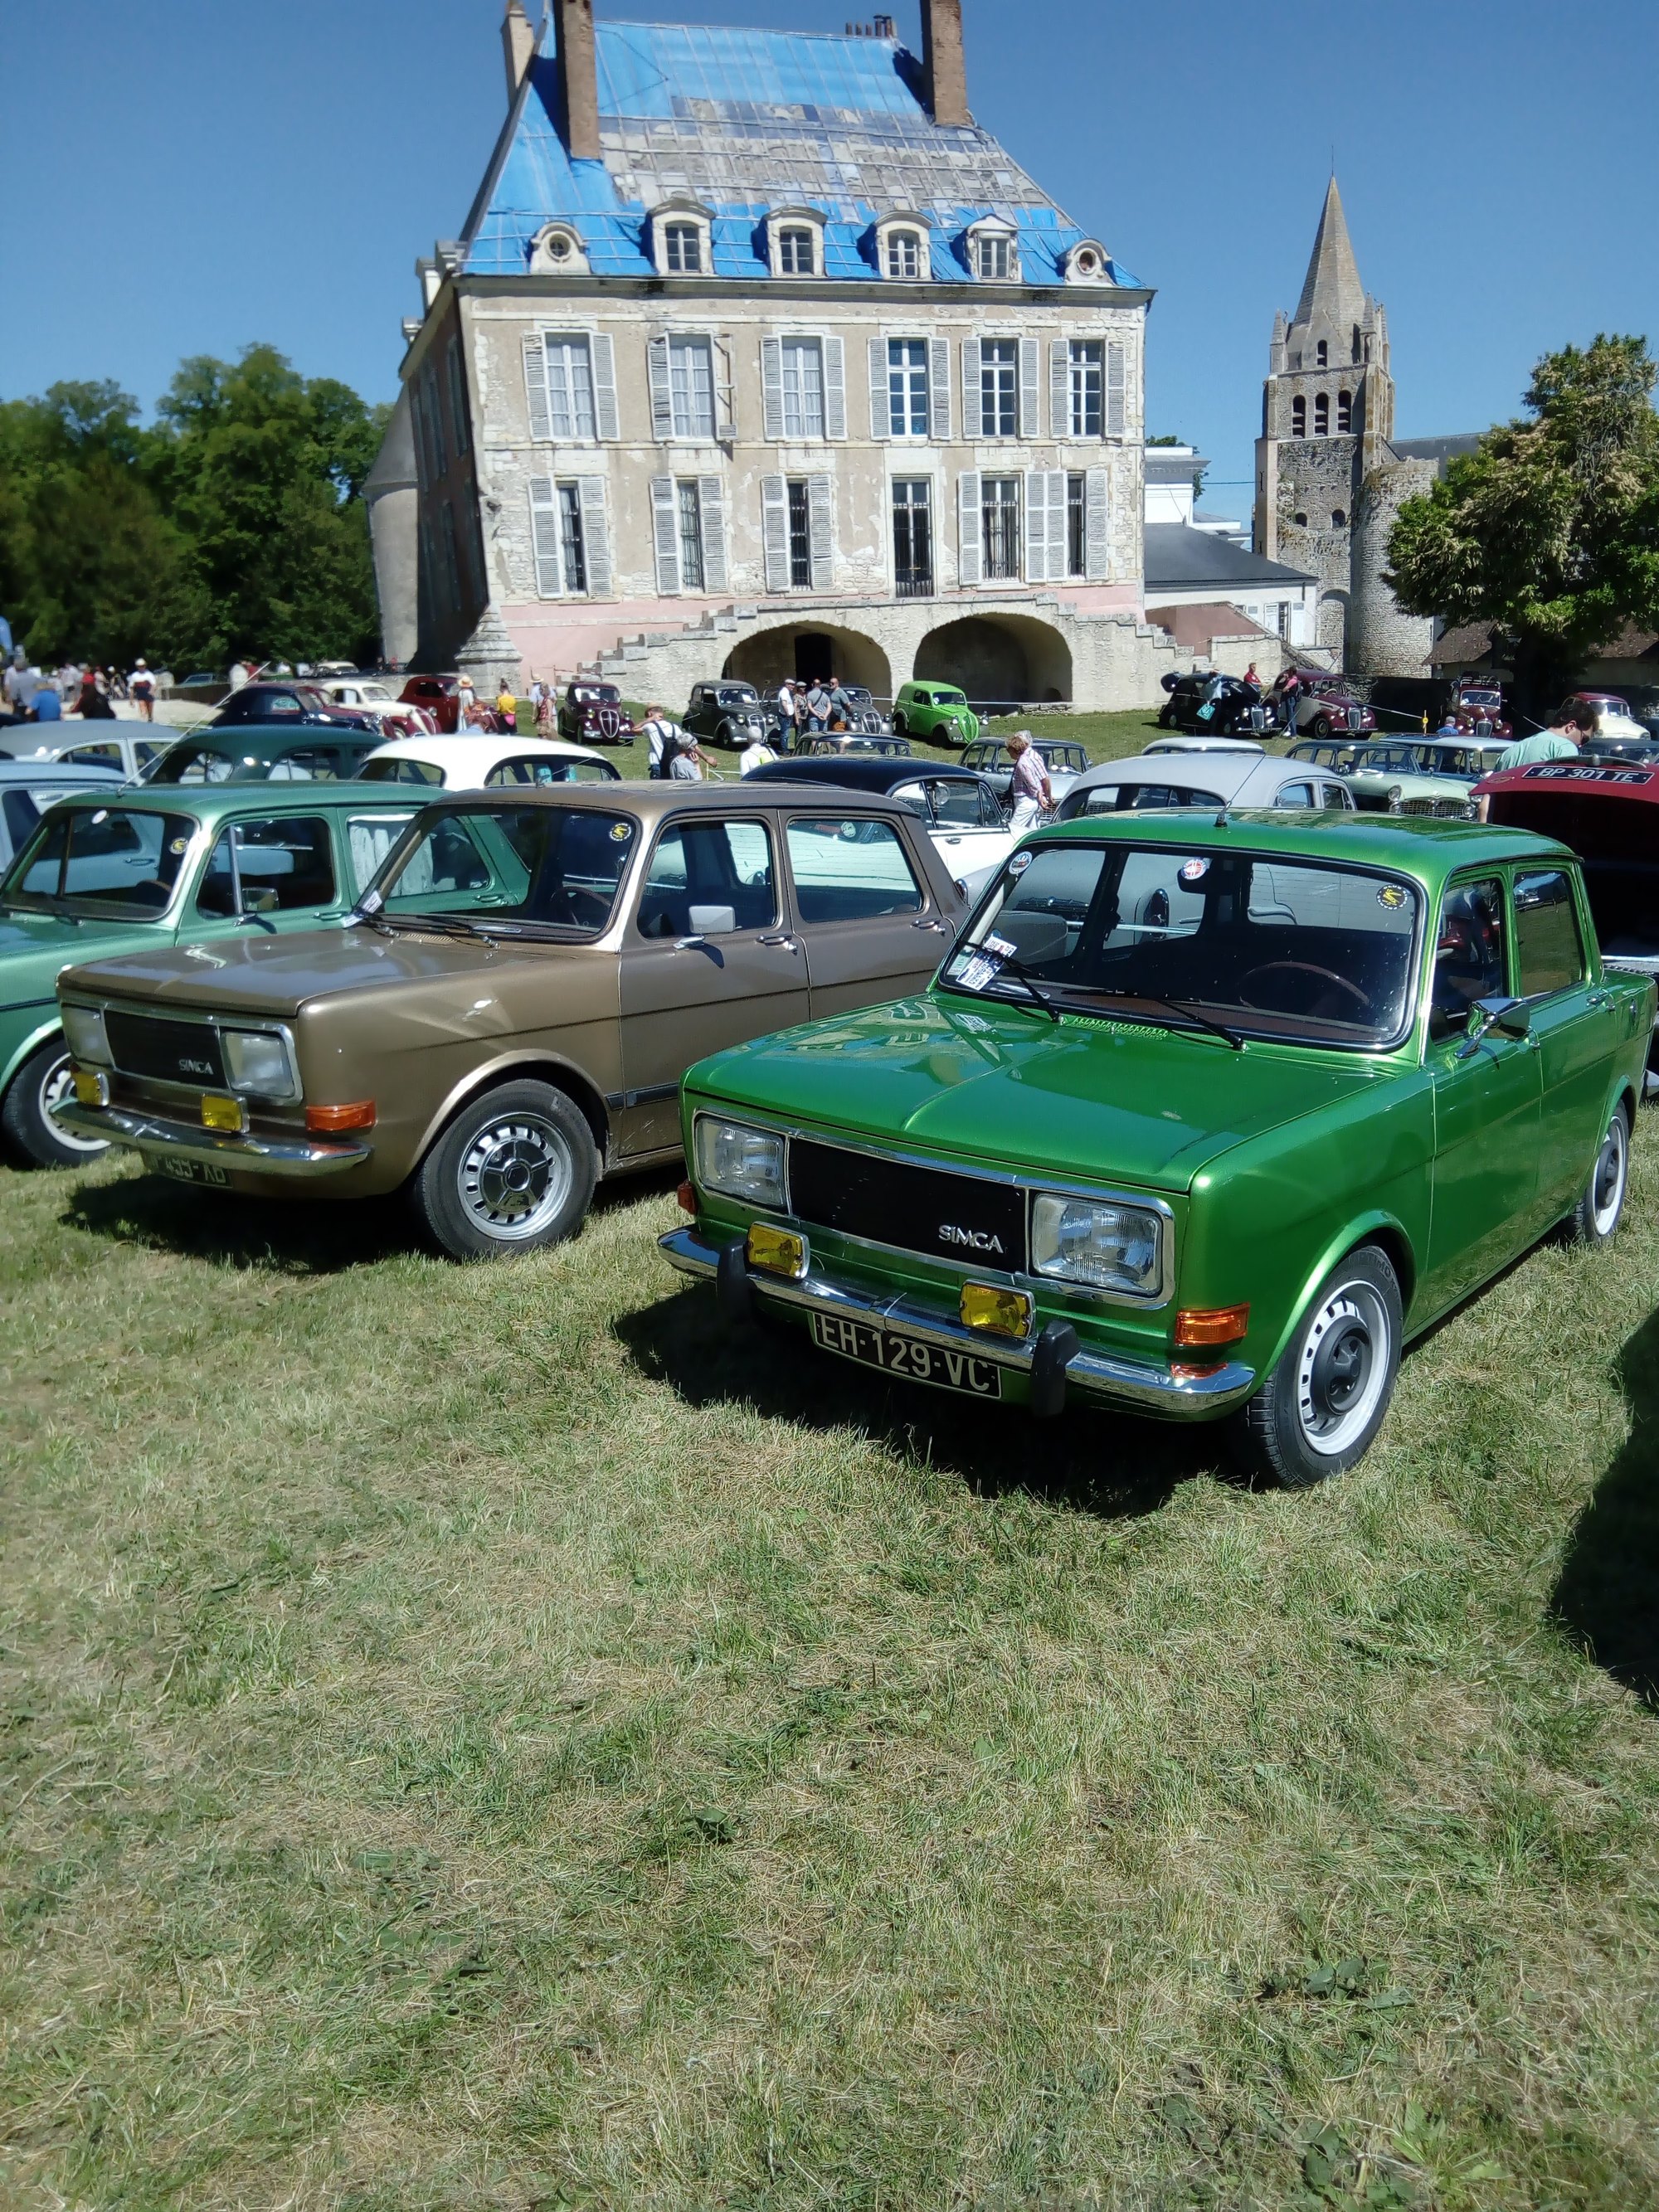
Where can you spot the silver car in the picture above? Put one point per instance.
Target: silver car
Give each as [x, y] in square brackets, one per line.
[1162, 781]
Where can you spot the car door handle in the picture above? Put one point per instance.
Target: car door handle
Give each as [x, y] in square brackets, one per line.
[783, 937]
[943, 927]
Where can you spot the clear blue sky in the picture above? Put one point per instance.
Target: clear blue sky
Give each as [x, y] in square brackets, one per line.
[183, 176]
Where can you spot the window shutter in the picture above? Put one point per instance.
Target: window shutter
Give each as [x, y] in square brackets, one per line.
[774, 532]
[545, 538]
[938, 389]
[772, 390]
[1115, 410]
[821, 510]
[1029, 423]
[881, 413]
[665, 534]
[596, 536]
[604, 388]
[969, 528]
[835, 388]
[662, 397]
[1056, 526]
[973, 410]
[1037, 526]
[711, 497]
[1097, 527]
[1059, 388]
[725, 424]
[535, 387]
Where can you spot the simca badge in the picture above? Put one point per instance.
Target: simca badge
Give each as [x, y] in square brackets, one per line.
[1391, 894]
[620, 832]
[178, 845]
[1193, 870]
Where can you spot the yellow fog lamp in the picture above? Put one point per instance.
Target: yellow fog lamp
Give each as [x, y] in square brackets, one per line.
[779, 1251]
[228, 1114]
[999, 1312]
[91, 1089]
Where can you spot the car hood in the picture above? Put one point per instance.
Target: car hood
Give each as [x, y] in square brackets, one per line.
[33, 947]
[1122, 1102]
[277, 976]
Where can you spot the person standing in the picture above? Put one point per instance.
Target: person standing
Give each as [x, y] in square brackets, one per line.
[663, 738]
[840, 707]
[466, 698]
[787, 717]
[48, 707]
[92, 705]
[1571, 726]
[817, 707]
[756, 754]
[141, 689]
[1029, 787]
[506, 706]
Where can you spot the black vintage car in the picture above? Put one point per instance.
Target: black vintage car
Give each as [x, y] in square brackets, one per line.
[727, 713]
[1212, 706]
[290, 703]
[593, 715]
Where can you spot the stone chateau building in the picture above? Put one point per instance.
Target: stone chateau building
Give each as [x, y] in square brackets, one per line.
[1330, 475]
[756, 355]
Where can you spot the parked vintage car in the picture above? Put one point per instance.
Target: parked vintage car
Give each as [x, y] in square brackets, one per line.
[1325, 703]
[284, 753]
[938, 713]
[287, 704]
[1064, 758]
[1407, 776]
[841, 745]
[1614, 750]
[965, 818]
[593, 715]
[1477, 707]
[482, 763]
[1609, 815]
[1222, 706]
[728, 714]
[438, 697]
[118, 746]
[865, 717]
[28, 788]
[508, 1015]
[1153, 783]
[1349, 1070]
[1613, 718]
[116, 871]
[376, 701]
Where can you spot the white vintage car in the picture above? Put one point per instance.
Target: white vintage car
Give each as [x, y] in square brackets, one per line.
[485, 761]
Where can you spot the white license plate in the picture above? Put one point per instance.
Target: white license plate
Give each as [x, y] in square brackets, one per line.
[906, 1356]
[196, 1171]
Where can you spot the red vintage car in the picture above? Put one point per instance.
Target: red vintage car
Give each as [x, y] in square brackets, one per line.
[438, 695]
[593, 715]
[1609, 815]
[1477, 707]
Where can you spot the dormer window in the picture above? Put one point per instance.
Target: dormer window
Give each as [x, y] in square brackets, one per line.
[901, 247]
[794, 241]
[1086, 263]
[797, 253]
[682, 249]
[556, 251]
[903, 255]
[992, 252]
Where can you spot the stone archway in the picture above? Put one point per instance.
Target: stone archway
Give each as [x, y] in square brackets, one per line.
[1000, 660]
[811, 647]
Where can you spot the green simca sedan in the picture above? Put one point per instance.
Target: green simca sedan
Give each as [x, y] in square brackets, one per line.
[1197, 1119]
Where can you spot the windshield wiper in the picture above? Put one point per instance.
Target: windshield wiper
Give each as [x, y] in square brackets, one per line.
[1174, 1006]
[441, 925]
[1039, 1001]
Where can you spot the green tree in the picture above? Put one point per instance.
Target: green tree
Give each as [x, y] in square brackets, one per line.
[1550, 529]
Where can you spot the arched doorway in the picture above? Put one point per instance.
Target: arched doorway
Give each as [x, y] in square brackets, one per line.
[809, 649]
[1001, 661]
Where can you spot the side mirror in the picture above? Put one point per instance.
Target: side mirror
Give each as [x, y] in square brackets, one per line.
[1510, 1018]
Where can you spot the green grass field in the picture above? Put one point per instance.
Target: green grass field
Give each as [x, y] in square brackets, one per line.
[482, 1738]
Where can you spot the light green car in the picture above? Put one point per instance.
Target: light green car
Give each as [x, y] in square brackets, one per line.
[938, 713]
[1408, 776]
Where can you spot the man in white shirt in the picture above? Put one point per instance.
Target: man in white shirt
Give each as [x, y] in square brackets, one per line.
[756, 754]
[660, 739]
[141, 689]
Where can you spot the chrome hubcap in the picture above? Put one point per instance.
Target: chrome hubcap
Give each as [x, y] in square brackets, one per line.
[56, 1088]
[1608, 1191]
[516, 1176]
[1343, 1367]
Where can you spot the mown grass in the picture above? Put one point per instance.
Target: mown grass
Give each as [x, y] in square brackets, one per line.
[481, 1737]
[1106, 737]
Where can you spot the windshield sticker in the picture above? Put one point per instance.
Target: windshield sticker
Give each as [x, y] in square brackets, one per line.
[620, 832]
[1391, 894]
[1019, 864]
[984, 963]
[1193, 870]
[177, 844]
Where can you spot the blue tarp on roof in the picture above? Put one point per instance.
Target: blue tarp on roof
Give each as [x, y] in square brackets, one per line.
[746, 121]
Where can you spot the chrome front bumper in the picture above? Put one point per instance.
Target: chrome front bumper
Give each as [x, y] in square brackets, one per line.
[1150, 1388]
[185, 1141]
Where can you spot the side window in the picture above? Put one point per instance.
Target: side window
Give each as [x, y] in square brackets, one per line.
[1468, 955]
[991, 815]
[280, 707]
[846, 870]
[96, 756]
[522, 770]
[369, 838]
[708, 880]
[1548, 949]
[203, 767]
[283, 864]
[1336, 797]
[1294, 794]
[955, 806]
[587, 772]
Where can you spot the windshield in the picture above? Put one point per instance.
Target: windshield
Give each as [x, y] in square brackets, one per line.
[1271, 947]
[109, 862]
[515, 871]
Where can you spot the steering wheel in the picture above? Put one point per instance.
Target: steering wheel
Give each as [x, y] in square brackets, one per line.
[1298, 967]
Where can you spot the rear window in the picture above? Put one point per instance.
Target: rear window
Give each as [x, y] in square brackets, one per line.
[400, 771]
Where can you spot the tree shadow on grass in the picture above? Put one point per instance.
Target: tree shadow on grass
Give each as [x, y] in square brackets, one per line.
[1095, 1458]
[1607, 1596]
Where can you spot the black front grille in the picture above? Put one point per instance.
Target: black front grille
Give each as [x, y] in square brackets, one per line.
[167, 1052]
[948, 1216]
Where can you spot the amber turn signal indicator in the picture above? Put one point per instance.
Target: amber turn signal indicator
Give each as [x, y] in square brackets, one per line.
[687, 1195]
[780, 1251]
[91, 1089]
[1212, 1324]
[330, 1121]
[224, 1115]
[1000, 1313]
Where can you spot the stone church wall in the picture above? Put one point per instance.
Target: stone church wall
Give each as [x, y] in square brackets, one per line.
[1383, 640]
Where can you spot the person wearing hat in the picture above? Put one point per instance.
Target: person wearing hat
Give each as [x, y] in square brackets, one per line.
[140, 688]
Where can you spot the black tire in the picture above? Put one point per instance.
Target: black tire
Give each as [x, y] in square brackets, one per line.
[513, 1172]
[1319, 1411]
[1321, 726]
[1166, 716]
[27, 1118]
[1600, 1207]
[901, 725]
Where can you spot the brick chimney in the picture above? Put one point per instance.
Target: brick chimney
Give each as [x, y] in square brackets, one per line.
[579, 81]
[947, 74]
[518, 45]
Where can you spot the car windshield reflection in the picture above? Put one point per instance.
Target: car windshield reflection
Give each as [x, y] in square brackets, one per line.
[107, 863]
[551, 872]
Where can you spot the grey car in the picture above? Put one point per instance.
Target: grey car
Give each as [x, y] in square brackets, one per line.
[1064, 758]
[28, 788]
[1211, 780]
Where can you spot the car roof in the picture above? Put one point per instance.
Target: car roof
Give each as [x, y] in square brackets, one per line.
[881, 772]
[1426, 847]
[481, 752]
[227, 736]
[1224, 774]
[58, 772]
[637, 797]
[211, 800]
